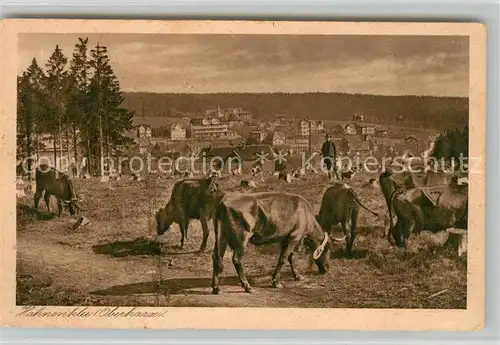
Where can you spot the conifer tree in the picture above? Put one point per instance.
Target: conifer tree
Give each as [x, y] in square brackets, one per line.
[57, 89]
[30, 106]
[105, 101]
[452, 144]
[78, 114]
[84, 103]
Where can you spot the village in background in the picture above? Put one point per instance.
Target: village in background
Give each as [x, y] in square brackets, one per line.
[76, 110]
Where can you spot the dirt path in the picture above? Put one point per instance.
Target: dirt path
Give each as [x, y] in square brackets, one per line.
[120, 278]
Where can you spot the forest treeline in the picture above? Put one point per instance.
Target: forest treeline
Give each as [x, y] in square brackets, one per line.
[74, 103]
[452, 144]
[418, 111]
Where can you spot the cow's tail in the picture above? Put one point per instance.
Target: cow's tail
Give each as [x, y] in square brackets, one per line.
[361, 204]
[258, 239]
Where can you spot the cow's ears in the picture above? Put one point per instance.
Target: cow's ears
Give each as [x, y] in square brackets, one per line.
[433, 198]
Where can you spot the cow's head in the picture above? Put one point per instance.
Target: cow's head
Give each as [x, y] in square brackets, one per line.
[213, 191]
[447, 218]
[163, 220]
[73, 205]
[321, 249]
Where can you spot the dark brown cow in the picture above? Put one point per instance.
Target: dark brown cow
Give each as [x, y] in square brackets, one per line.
[434, 208]
[191, 198]
[261, 218]
[50, 181]
[391, 181]
[341, 205]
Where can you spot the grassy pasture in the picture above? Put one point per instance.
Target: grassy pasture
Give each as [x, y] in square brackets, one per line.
[112, 261]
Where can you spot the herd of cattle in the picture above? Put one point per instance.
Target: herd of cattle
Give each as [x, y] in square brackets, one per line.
[432, 201]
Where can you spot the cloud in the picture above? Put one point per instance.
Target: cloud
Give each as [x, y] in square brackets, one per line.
[423, 65]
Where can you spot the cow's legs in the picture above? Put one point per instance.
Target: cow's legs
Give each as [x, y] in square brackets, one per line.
[217, 259]
[349, 228]
[354, 218]
[287, 248]
[186, 227]
[411, 229]
[183, 225]
[204, 227]
[392, 221]
[387, 224]
[238, 252]
[36, 198]
[238, 265]
[59, 207]
[46, 197]
[295, 272]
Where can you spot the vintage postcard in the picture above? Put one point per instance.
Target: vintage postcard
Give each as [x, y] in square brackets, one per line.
[243, 175]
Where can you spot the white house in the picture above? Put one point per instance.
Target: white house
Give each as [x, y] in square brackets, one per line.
[177, 132]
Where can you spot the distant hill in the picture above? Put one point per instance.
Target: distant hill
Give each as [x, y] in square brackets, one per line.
[412, 111]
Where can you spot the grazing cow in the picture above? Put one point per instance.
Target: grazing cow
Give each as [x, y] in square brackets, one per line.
[248, 184]
[50, 181]
[341, 205]
[236, 171]
[192, 198]
[297, 172]
[282, 175]
[434, 208]
[389, 182]
[256, 169]
[262, 218]
[347, 175]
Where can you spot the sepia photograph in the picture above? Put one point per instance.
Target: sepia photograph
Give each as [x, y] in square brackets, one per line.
[259, 168]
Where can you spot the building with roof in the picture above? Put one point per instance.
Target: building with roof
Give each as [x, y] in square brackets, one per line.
[298, 143]
[350, 129]
[257, 136]
[234, 121]
[276, 138]
[355, 145]
[177, 131]
[214, 112]
[142, 136]
[210, 128]
[304, 126]
[381, 132]
[366, 129]
[242, 114]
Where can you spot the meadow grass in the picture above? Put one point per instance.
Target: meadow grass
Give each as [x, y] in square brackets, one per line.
[112, 261]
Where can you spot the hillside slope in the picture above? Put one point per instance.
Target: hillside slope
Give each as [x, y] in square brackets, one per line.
[414, 111]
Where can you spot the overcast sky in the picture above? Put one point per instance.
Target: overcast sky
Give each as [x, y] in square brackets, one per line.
[386, 65]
